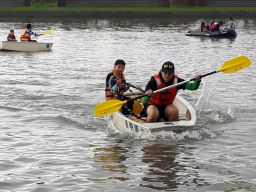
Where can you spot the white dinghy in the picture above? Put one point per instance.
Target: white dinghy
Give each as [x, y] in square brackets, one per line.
[133, 125]
[26, 46]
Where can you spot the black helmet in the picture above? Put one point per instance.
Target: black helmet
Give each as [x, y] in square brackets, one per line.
[168, 67]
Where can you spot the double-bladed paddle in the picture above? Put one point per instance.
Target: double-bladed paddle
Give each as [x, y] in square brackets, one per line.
[48, 32]
[114, 105]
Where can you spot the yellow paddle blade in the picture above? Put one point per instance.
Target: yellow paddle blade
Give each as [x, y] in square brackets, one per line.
[235, 64]
[137, 107]
[108, 107]
[48, 32]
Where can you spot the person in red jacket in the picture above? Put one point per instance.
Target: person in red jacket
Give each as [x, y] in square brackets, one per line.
[160, 105]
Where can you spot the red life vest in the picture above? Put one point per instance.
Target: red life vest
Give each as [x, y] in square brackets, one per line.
[25, 36]
[214, 25]
[165, 97]
[108, 93]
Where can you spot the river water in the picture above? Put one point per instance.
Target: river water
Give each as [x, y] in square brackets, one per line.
[50, 140]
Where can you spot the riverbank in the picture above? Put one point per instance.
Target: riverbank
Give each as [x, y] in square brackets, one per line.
[80, 12]
[123, 14]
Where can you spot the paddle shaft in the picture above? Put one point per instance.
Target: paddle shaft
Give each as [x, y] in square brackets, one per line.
[135, 87]
[138, 88]
[171, 86]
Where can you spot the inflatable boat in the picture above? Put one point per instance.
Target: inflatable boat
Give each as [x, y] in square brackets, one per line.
[227, 32]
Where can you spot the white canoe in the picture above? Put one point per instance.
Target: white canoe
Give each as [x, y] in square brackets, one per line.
[24, 46]
[133, 125]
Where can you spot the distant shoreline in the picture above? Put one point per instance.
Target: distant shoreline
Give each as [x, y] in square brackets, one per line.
[122, 14]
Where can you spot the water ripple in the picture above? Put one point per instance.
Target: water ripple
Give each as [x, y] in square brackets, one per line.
[50, 140]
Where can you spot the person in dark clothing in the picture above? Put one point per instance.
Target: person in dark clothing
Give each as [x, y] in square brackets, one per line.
[160, 105]
[204, 28]
[116, 85]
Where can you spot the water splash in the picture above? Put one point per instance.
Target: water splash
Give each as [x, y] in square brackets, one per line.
[211, 108]
[198, 132]
[215, 111]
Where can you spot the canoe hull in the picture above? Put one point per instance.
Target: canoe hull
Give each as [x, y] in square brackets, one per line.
[25, 46]
[132, 125]
[227, 32]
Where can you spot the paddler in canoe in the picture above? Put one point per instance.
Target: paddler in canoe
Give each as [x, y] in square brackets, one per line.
[160, 105]
[11, 36]
[116, 85]
[26, 34]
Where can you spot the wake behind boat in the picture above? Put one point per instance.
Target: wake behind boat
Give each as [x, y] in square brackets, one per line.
[133, 125]
[25, 46]
[227, 32]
